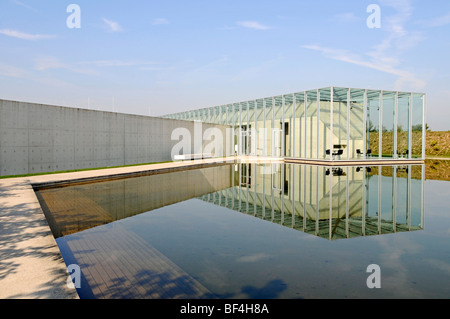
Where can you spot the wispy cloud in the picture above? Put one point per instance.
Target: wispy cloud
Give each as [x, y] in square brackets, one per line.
[20, 73]
[252, 25]
[385, 56]
[22, 4]
[438, 21]
[116, 63]
[51, 63]
[160, 21]
[112, 26]
[12, 71]
[158, 68]
[25, 36]
[347, 17]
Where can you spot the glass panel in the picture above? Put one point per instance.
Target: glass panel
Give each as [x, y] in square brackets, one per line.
[372, 122]
[356, 143]
[310, 197]
[323, 192]
[401, 197]
[417, 125]
[223, 111]
[372, 192]
[311, 124]
[296, 193]
[288, 125]
[269, 118]
[416, 196]
[260, 128]
[217, 114]
[324, 123]
[340, 123]
[243, 128]
[212, 114]
[388, 124]
[387, 194]
[251, 132]
[355, 197]
[229, 114]
[299, 125]
[277, 131]
[339, 200]
[403, 125]
[236, 125]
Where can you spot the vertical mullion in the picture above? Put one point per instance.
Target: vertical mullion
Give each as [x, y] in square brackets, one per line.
[331, 122]
[410, 109]
[255, 129]
[273, 127]
[394, 199]
[380, 125]
[330, 226]
[365, 124]
[348, 125]
[292, 192]
[409, 197]
[422, 217]
[283, 129]
[264, 129]
[424, 126]
[364, 194]
[317, 199]
[294, 108]
[305, 98]
[264, 193]
[379, 199]
[346, 204]
[318, 123]
[396, 126]
[304, 197]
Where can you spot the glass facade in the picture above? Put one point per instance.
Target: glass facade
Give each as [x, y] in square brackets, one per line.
[331, 123]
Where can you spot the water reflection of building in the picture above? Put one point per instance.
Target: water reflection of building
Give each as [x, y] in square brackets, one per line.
[329, 202]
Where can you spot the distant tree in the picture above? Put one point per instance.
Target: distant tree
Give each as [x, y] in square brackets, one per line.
[371, 127]
[418, 127]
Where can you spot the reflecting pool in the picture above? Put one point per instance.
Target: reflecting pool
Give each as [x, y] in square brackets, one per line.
[257, 231]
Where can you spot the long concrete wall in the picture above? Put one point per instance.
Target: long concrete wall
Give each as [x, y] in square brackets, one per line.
[37, 138]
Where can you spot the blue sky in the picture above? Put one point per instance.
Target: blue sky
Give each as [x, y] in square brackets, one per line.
[159, 57]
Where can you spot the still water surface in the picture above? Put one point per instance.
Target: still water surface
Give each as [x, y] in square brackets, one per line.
[257, 231]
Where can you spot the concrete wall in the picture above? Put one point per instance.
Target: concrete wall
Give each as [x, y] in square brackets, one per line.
[36, 138]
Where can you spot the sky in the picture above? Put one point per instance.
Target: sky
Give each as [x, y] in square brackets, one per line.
[161, 57]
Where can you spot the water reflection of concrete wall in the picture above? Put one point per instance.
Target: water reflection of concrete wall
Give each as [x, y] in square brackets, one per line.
[78, 207]
[328, 202]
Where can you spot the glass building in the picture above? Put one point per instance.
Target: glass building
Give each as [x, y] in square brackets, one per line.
[332, 123]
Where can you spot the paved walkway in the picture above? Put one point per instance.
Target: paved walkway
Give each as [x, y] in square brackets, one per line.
[31, 265]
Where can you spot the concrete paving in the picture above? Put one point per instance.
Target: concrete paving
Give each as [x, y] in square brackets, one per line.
[31, 265]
